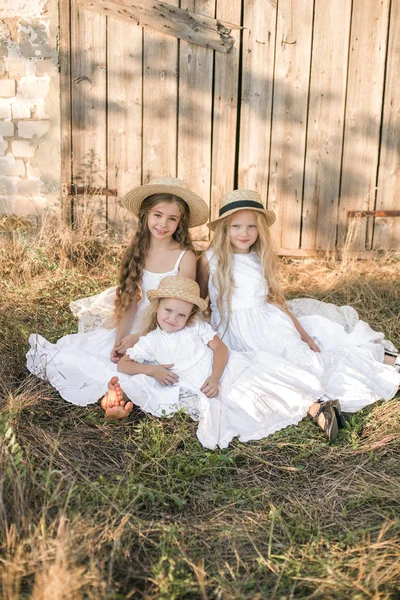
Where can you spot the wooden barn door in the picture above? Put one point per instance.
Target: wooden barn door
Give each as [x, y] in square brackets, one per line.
[304, 112]
[142, 104]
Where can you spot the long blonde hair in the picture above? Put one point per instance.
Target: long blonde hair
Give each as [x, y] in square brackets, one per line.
[150, 316]
[131, 270]
[223, 277]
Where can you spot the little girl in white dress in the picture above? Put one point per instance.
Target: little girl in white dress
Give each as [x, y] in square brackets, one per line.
[239, 273]
[181, 363]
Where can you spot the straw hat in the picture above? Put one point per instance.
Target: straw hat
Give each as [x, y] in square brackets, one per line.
[168, 185]
[182, 288]
[241, 200]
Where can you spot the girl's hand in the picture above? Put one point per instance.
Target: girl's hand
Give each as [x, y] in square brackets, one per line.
[210, 387]
[163, 374]
[308, 340]
[127, 342]
[115, 355]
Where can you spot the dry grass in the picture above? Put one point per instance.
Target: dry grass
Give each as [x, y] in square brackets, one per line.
[140, 510]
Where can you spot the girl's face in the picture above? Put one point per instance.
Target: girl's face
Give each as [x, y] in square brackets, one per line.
[243, 231]
[172, 314]
[163, 219]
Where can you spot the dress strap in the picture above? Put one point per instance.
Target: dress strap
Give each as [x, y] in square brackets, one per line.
[178, 262]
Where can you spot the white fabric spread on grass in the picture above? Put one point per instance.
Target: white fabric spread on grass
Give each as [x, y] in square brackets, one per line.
[255, 400]
[350, 365]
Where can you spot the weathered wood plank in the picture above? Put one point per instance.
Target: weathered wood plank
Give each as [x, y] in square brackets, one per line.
[289, 118]
[65, 106]
[387, 231]
[160, 101]
[325, 124]
[194, 113]
[88, 71]
[124, 118]
[226, 83]
[363, 113]
[259, 19]
[170, 20]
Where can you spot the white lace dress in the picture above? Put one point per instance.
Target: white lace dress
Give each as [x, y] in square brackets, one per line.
[255, 400]
[79, 365]
[350, 365]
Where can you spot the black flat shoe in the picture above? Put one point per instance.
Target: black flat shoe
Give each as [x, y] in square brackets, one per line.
[330, 422]
[341, 421]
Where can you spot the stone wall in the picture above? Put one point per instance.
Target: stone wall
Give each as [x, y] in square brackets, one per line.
[30, 159]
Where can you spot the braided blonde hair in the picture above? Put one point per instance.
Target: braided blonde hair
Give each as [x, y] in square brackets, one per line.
[131, 270]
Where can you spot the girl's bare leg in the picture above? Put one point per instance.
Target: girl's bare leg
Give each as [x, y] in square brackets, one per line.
[115, 403]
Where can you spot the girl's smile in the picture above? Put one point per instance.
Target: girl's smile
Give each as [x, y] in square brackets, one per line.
[243, 231]
[172, 314]
[163, 219]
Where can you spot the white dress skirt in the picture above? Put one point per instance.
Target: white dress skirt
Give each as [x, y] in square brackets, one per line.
[79, 365]
[256, 397]
[350, 365]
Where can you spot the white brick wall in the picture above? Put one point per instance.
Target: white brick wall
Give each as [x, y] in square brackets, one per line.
[7, 88]
[6, 128]
[22, 149]
[30, 161]
[30, 129]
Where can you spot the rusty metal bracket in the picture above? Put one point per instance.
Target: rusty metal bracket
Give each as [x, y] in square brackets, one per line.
[72, 189]
[373, 213]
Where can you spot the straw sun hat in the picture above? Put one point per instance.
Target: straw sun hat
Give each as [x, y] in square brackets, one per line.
[168, 185]
[182, 288]
[241, 200]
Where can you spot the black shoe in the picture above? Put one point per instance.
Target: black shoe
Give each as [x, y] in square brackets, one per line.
[341, 421]
[330, 422]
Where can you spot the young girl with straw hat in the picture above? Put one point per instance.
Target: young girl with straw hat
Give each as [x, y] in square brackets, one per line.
[80, 365]
[240, 275]
[180, 363]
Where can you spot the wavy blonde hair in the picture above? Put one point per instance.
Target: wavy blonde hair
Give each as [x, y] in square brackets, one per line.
[150, 316]
[131, 270]
[223, 277]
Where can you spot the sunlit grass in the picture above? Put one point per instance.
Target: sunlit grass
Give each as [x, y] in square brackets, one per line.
[139, 509]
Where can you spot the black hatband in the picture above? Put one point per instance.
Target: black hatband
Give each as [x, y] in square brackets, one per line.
[240, 204]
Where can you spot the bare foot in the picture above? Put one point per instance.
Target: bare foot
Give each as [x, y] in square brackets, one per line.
[114, 402]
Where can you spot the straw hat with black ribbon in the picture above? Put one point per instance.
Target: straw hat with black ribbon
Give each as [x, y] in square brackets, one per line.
[182, 288]
[168, 185]
[242, 200]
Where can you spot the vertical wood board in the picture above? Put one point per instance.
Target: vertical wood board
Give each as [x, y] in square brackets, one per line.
[194, 113]
[65, 108]
[160, 101]
[88, 72]
[363, 114]
[325, 124]
[387, 230]
[124, 116]
[226, 73]
[289, 118]
[259, 20]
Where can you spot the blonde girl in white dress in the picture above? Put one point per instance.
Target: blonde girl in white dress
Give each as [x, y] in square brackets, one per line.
[180, 363]
[240, 275]
[79, 366]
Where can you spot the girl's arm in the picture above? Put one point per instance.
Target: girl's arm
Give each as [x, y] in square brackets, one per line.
[211, 385]
[303, 334]
[162, 373]
[187, 267]
[123, 329]
[203, 274]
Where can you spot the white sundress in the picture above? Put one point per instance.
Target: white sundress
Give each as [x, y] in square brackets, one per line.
[255, 398]
[79, 365]
[349, 366]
